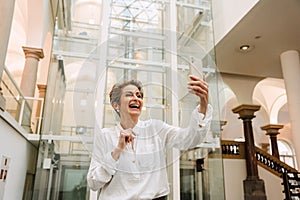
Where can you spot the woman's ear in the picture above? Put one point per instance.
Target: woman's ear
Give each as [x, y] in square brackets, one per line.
[115, 106]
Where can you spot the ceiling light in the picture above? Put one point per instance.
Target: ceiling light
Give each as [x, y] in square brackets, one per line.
[244, 47]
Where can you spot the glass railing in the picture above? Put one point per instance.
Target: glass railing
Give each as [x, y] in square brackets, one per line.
[27, 111]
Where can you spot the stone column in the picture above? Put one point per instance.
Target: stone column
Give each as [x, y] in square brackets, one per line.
[6, 16]
[272, 131]
[254, 188]
[290, 65]
[42, 92]
[29, 76]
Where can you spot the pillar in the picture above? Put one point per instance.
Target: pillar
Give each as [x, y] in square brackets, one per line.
[272, 131]
[29, 76]
[42, 93]
[254, 188]
[6, 16]
[290, 65]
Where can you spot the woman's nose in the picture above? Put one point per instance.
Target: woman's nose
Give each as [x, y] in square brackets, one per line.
[135, 96]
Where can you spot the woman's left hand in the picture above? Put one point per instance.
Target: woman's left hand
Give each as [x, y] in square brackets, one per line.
[199, 87]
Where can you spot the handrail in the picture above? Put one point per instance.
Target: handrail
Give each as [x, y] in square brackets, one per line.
[235, 150]
[289, 175]
[291, 184]
[271, 163]
[17, 104]
[13, 81]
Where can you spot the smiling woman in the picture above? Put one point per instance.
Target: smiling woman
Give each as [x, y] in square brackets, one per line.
[129, 160]
[132, 94]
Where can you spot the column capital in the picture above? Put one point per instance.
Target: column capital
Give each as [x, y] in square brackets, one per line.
[31, 52]
[246, 110]
[42, 87]
[272, 129]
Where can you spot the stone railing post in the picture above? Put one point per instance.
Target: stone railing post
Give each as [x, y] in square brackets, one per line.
[273, 130]
[254, 188]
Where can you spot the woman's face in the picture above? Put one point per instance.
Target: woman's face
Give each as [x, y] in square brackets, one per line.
[131, 101]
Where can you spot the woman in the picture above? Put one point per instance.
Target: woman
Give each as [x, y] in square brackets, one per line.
[129, 160]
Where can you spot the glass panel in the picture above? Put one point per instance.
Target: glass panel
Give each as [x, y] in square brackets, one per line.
[25, 110]
[88, 60]
[196, 56]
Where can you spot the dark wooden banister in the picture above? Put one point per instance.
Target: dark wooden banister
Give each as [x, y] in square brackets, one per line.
[289, 175]
[271, 163]
[236, 150]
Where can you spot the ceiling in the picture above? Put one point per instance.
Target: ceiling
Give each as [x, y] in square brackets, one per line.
[271, 27]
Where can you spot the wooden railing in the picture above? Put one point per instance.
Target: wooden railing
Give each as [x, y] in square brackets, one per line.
[289, 175]
[236, 150]
[271, 163]
[232, 149]
[291, 183]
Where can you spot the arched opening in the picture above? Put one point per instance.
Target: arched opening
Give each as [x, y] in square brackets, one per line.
[286, 153]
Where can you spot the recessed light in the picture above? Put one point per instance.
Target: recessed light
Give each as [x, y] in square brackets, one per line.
[244, 47]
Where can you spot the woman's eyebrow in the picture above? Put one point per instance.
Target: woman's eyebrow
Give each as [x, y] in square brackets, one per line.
[128, 92]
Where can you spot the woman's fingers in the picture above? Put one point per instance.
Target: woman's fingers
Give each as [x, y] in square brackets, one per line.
[198, 86]
[126, 136]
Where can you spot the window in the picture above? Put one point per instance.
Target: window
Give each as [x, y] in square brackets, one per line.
[286, 153]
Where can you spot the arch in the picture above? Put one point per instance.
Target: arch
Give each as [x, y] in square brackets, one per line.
[92, 16]
[275, 108]
[287, 153]
[226, 95]
[283, 115]
[270, 94]
[234, 127]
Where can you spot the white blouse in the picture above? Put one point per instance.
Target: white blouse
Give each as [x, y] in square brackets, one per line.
[140, 172]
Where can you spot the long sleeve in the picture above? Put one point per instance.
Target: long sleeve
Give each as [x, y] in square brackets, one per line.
[102, 166]
[191, 136]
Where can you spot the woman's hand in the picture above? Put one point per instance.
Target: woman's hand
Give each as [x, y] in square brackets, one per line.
[199, 87]
[126, 136]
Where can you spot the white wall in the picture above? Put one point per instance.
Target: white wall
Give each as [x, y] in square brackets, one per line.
[226, 14]
[272, 184]
[235, 173]
[22, 156]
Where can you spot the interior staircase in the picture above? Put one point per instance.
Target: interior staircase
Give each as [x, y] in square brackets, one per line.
[290, 176]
